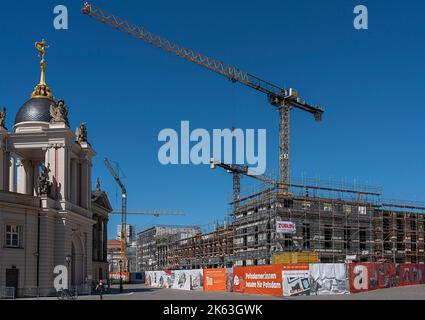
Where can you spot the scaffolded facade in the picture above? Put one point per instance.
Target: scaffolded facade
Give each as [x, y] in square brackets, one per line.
[340, 222]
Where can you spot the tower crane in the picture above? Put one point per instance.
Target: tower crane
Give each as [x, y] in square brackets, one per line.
[281, 99]
[123, 236]
[146, 212]
[236, 171]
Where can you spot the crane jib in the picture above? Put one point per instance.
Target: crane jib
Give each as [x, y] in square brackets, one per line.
[234, 74]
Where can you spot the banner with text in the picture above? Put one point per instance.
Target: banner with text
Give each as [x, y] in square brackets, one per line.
[215, 280]
[258, 280]
[286, 227]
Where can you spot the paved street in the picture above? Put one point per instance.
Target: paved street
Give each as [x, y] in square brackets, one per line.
[141, 292]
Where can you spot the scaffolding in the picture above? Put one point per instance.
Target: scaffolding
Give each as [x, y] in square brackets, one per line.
[340, 222]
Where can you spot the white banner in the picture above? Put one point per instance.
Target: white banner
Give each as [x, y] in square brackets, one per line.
[286, 227]
[159, 279]
[329, 278]
[188, 279]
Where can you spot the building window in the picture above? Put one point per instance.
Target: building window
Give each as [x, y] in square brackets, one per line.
[288, 203]
[13, 235]
[306, 205]
[306, 236]
[362, 210]
[328, 237]
[327, 207]
[346, 208]
[347, 238]
[362, 239]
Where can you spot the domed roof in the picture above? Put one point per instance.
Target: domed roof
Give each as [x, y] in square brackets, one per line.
[35, 109]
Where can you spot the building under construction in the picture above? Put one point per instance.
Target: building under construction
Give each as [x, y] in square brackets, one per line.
[339, 222]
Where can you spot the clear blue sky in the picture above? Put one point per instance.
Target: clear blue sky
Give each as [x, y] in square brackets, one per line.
[371, 84]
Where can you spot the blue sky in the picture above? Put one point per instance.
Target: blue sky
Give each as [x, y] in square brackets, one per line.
[371, 84]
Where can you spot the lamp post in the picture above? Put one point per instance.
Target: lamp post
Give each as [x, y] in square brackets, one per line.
[120, 264]
[68, 262]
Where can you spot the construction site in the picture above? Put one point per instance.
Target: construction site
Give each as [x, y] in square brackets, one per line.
[284, 217]
[339, 223]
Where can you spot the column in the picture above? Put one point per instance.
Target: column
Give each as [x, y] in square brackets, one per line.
[12, 167]
[35, 174]
[61, 170]
[105, 239]
[49, 160]
[85, 197]
[22, 177]
[29, 169]
[99, 239]
[74, 182]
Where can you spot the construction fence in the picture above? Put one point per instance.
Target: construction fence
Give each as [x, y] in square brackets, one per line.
[292, 279]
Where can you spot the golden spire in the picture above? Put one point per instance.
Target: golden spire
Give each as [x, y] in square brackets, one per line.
[42, 90]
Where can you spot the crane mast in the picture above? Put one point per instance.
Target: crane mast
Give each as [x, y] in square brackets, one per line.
[282, 99]
[123, 236]
[236, 171]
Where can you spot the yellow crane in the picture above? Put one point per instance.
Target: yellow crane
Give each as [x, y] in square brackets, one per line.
[282, 99]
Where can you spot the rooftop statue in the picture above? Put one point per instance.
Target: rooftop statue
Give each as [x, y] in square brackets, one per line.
[81, 133]
[3, 118]
[59, 113]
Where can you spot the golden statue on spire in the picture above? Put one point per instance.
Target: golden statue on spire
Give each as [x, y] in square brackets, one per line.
[41, 46]
[42, 90]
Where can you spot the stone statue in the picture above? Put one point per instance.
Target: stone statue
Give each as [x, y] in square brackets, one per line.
[98, 184]
[81, 133]
[60, 113]
[3, 118]
[43, 180]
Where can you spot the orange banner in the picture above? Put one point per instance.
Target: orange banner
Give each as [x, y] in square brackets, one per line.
[258, 280]
[214, 279]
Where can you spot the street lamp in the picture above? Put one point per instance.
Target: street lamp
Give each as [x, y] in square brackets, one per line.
[120, 264]
[68, 262]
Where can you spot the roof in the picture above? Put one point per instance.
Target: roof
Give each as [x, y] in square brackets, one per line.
[100, 198]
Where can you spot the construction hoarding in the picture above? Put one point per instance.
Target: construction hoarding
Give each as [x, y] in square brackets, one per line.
[229, 279]
[295, 279]
[137, 277]
[329, 278]
[371, 276]
[188, 279]
[159, 279]
[258, 280]
[215, 280]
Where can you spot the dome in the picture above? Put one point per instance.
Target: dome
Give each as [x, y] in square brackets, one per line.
[35, 109]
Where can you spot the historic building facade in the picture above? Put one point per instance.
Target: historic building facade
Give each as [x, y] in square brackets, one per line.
[48, 213]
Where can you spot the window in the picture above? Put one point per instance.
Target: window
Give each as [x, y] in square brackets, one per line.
[362, 238]
[13, 236]
[362, 210]
[306, 205]
[346, 208]
[327, 207]
[288, 203]
[328, 237]
[347, 237]
[306, 236]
